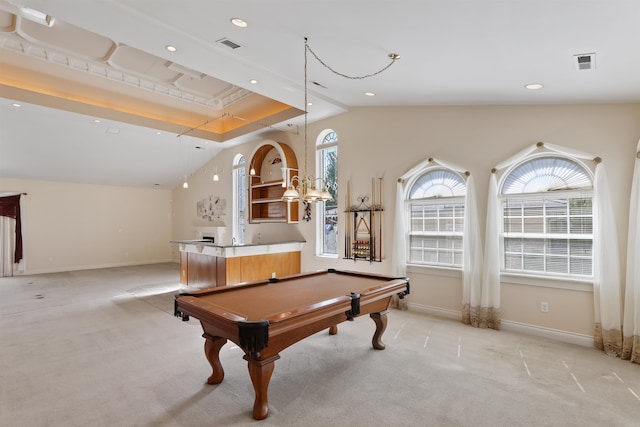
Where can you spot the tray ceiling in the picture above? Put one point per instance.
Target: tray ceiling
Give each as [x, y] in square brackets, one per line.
[67, 67]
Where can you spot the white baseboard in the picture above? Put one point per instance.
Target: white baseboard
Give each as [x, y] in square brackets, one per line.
[509, 325]
[89, 267]
[541, 331]
[435, 311]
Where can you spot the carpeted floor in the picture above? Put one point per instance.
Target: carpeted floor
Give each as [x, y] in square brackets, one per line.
[102, 348]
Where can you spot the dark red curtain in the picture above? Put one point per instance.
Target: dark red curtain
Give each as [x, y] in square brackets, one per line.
[10, 206]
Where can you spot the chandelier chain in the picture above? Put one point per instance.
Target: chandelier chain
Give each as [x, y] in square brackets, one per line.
[306, 190]
[306, 96]
[394, 57]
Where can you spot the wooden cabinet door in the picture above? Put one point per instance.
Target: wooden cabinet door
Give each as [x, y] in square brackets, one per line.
[184, 277]
[201, 270]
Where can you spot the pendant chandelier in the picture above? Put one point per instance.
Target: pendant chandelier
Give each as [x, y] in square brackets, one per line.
[303, 188]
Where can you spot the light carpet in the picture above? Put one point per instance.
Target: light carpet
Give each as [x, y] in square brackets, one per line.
[102, 348]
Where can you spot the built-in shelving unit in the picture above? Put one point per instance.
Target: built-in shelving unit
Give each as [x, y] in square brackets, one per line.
[275, 164]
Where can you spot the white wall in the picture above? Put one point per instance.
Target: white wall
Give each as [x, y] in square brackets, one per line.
[386, 142]
[76, 226]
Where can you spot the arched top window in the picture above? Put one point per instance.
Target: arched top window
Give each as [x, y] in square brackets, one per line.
[436, 216]
[548, 173]
[328, 137]
[438, 183]
[239, 160]
[547, 218]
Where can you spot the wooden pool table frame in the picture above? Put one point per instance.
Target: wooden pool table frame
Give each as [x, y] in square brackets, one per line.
[263, 338]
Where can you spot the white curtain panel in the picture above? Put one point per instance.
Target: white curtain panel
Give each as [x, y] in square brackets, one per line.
[400, 233]
[489, 314]
[400, 226]
[606, 270]
[472, 309]
[7, 245]
[631, 322]
[473, 259]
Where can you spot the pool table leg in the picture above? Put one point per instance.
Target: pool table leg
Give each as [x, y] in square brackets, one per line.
[333, 329]
[380, 320]
[212, 346]
[260, 372]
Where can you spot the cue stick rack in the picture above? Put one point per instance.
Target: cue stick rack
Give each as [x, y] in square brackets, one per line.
[363, 222]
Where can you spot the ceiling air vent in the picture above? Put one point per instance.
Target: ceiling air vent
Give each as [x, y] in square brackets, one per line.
[229, 43]
[585, 61]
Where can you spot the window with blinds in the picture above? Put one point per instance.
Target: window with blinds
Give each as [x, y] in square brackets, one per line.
[547, 218]
[436, 209]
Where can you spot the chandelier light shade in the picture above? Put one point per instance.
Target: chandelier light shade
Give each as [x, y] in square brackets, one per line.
[306, 190]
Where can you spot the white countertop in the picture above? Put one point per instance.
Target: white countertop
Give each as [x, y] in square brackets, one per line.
[228, 251]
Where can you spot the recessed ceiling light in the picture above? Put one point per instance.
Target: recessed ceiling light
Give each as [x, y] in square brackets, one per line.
[534, 86]
[171, 48]
[96, 121]
[309, 103]
[239, 22]
[253, 81]
[15, 104]
[158, 132]
[370, 94]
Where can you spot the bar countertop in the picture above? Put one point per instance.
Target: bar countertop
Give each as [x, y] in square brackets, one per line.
[208, 247]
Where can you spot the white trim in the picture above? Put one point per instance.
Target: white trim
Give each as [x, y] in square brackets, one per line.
[516, 279]
[434, 271]
[327, 256]
[547, 282]
[237, 168]
[322, 135]
[93, 267]
[435, 311]
[511, 326]
[555, 334]
[321, 206]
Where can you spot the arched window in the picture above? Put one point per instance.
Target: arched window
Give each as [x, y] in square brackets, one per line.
[436, 208]
[239, 198]
[547, 217]
[327, 169]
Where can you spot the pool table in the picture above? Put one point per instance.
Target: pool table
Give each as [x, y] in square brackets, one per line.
[265, 317]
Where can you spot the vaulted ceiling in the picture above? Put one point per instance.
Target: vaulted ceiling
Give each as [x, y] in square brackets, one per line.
[107, 60]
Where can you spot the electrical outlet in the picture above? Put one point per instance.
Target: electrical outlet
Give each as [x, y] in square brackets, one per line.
[544, 307]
